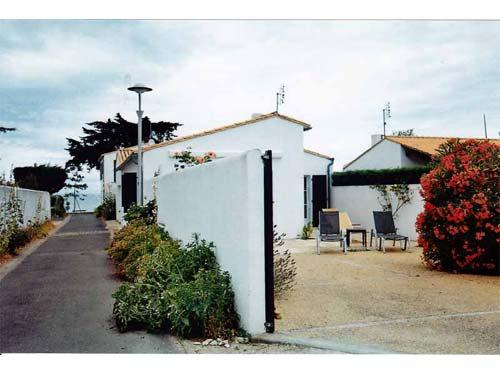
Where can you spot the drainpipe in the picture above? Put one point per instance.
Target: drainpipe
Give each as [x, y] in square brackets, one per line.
[328, 179]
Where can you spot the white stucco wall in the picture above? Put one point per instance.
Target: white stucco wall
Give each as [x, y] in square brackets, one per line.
[285, 139]
[360, 202]
[35, 204]
[223, 202]
[314, 165]
[108, 164]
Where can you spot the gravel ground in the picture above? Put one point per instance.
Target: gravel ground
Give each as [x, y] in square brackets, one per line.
[390, 300]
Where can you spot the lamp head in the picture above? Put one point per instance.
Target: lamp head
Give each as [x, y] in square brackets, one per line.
[140, 88]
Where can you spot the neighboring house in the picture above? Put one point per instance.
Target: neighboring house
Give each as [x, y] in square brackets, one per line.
[398, 152]
[300, 177]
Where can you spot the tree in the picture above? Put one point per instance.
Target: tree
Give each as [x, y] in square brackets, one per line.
[75, 186]
[5, 130]
[105, 136]
[43, 177]
[404, 133]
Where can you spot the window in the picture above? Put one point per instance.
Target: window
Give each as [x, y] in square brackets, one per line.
[114, 170]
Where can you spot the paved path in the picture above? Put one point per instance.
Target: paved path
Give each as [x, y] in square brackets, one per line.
[58, 300]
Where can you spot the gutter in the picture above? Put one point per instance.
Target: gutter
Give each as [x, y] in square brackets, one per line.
[329, 182]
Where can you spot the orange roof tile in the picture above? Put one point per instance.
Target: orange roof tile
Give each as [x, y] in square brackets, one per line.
[427, 145]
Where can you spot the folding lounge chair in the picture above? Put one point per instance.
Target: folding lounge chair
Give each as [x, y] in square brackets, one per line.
[386, 230]
[329, 230]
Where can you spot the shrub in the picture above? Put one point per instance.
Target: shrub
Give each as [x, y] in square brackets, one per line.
[181, 289]
[285, 269]
[392, 176]
[11, 223]
[307, 231]
[460, 225]
[107, 209]
[187, 159]
[57, 205]
[148, 213]
[132, 242]
[141, 304]
[203, 306]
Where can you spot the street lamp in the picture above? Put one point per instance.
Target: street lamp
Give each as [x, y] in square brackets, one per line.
[139, 89]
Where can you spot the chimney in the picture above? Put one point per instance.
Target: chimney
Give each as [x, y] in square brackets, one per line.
[376, 138]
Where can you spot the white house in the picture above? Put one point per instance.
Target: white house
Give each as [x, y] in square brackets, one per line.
[394, 152]
[300, 177]
[398, 152]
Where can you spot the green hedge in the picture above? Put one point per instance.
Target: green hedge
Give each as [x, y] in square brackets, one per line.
[409, 175]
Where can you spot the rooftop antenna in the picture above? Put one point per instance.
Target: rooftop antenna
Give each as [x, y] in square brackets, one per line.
[485, 130]
[386, 114]
[280, 97]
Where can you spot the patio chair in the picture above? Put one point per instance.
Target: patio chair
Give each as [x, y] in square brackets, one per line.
[329, 230]
[386, 230]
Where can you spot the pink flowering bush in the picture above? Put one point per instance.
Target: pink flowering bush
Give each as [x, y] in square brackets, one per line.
[187, 159]
[459, 228]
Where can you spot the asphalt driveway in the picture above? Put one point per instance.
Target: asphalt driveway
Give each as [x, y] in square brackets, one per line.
[58, 300]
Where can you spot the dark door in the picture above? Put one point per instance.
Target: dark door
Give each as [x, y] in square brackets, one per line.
[318, 196]
[268, 240]
[129, 190]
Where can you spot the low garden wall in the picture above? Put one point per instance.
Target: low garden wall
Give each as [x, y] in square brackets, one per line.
[360, 202]
[223, 202]
[35, 204]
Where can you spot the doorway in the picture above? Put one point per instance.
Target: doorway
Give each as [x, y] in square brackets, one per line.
[319, 197]
[129, 190]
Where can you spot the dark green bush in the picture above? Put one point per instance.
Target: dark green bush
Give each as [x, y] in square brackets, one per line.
[181, 289]
[44, 177]
[407, 175]
[107, 209]
[57, 205]
[18, 238]
[203, 306]
[147, 213]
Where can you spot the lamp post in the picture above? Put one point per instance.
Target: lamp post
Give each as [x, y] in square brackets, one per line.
[139, 89]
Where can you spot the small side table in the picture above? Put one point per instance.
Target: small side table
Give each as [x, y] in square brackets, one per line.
[356, 230]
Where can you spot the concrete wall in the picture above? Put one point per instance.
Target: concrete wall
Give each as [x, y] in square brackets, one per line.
[285, 139]
[35, 204]
[360, 202]
[223, 202]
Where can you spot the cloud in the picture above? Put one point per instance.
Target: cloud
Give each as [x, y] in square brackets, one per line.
[439, 76]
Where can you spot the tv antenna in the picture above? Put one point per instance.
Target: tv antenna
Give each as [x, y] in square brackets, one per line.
[386, 114]
[280, 97]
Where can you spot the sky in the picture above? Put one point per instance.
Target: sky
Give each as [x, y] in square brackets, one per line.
[56, 76]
